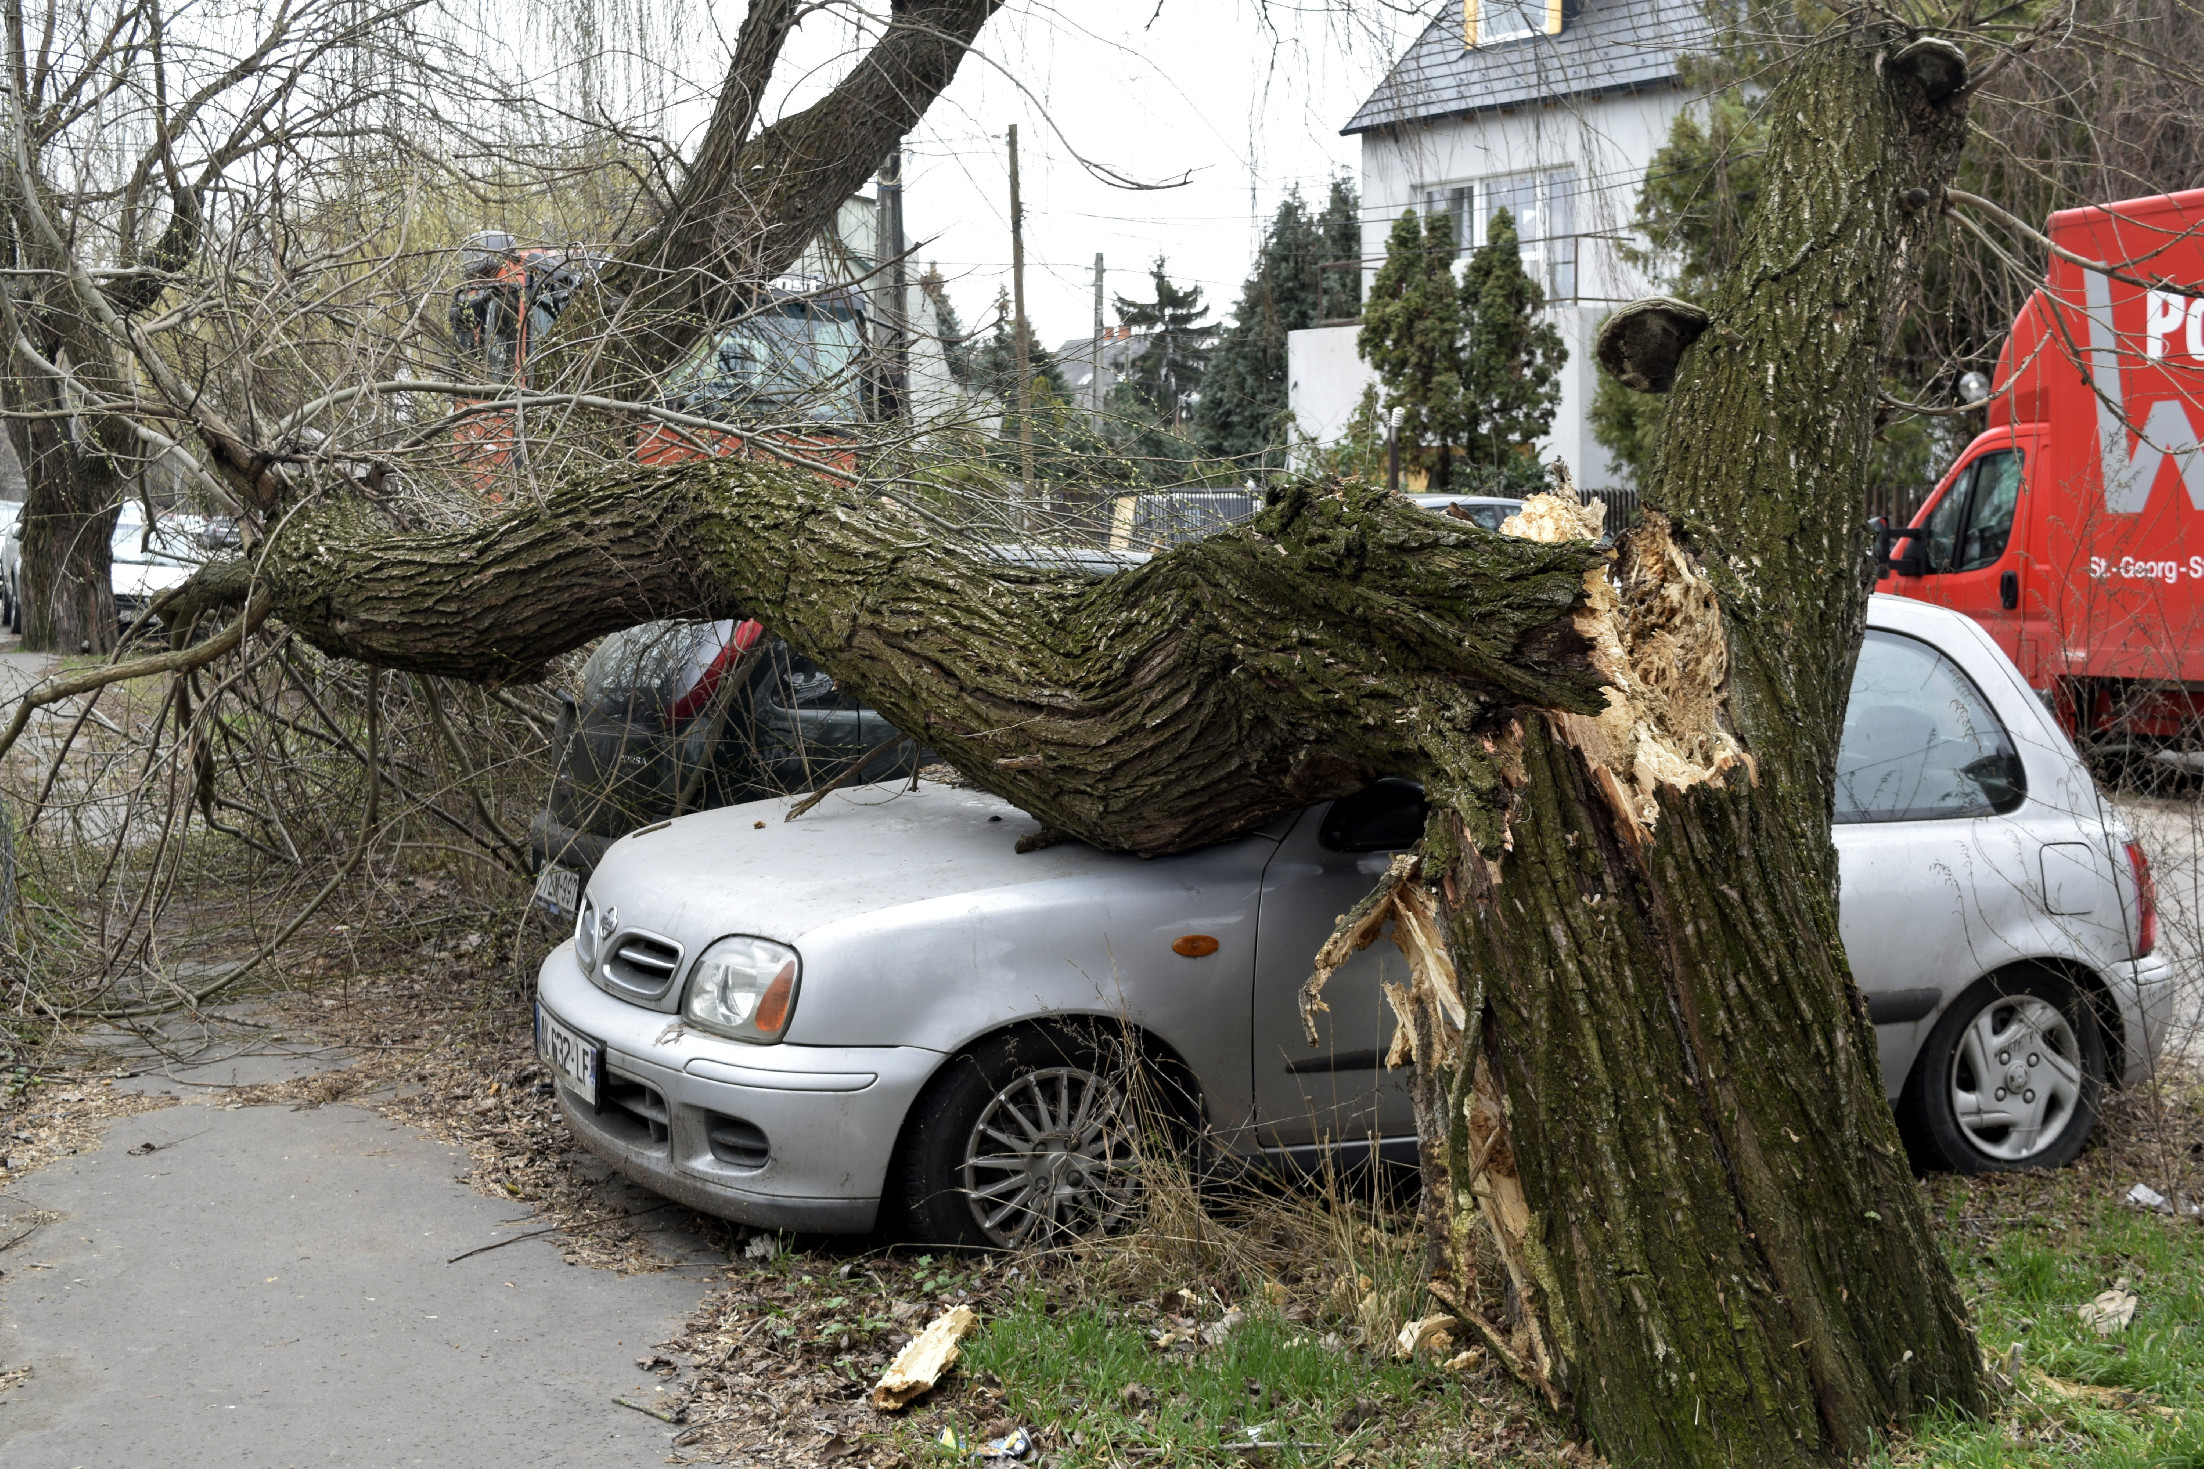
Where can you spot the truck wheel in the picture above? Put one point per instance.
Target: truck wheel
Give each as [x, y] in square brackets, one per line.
[1030, 1137]
[2010, 1077]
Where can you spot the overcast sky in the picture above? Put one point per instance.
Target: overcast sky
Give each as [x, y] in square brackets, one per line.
[1232, 95]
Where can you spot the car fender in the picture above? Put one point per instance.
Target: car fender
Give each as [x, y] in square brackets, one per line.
[943, 973]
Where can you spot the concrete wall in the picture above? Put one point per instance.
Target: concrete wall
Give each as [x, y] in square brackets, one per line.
[1608, 142]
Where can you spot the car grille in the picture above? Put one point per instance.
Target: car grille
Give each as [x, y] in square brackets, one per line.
[638, 1105]
[643, 963]
[735, 1142]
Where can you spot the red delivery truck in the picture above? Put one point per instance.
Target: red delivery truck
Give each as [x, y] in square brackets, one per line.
[2072, 528]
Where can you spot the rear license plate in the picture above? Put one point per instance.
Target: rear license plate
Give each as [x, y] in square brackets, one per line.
[559, 891]
[577, 1059]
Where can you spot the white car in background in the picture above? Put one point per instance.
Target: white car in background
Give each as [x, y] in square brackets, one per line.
[146, 558]
[883, 1011]
[11, 556]
[151, 558]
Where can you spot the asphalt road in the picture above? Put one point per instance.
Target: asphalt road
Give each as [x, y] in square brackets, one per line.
[269, 1288]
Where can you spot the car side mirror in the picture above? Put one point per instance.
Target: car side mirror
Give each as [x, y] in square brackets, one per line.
[1385, 816]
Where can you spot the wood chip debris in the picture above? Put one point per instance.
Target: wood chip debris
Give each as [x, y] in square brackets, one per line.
[2111, 1311]
[920, 1365]
[1434, 1333]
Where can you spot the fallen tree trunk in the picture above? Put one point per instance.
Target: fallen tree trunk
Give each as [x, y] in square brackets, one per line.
[1341, 635]
[1638, 1044]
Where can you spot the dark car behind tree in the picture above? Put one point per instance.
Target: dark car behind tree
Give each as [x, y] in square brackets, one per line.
[675, 717]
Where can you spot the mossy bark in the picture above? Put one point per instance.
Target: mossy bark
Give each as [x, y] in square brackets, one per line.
[1709, 1225]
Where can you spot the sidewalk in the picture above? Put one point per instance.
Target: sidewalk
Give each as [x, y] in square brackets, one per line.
[269, 1287]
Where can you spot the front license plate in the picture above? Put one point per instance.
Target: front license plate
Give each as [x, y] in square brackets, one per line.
[575, 1057]
[559, 891]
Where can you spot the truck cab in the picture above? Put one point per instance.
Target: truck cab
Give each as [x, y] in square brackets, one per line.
[792, 371]
[2072, 527]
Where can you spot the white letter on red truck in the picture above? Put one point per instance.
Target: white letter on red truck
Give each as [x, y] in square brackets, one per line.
[2162, 313]
[2166, 429]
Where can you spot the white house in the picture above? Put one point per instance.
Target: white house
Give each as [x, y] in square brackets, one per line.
[1551, 109]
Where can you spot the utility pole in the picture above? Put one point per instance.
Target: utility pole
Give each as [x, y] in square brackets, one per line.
[896, 318]
[1094, 379]
[1017, 306]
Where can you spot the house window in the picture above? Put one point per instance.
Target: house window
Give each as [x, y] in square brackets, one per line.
[1489, 22]
[1543, 206]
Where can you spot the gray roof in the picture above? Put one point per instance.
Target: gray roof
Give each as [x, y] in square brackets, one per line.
[1604, 46]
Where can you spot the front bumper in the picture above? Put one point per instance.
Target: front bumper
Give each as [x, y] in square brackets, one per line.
[829, 1115]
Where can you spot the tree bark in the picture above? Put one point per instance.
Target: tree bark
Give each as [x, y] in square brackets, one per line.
[1729, 1260]
[1341, 635]
[1642, 1068]
[749, 204]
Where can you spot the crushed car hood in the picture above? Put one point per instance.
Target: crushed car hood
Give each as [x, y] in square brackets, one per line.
[747, 869]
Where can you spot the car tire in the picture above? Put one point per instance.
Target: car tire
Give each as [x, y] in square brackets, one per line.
[1031, 1135]
[2010, 1077]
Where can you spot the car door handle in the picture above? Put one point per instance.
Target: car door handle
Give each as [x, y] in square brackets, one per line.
[2008, 590]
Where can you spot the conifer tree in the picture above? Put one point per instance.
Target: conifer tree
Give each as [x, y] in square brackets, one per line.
[994, 362]
[1511, 355]
[1169, 368]
[1412, 338]
[1244, 413]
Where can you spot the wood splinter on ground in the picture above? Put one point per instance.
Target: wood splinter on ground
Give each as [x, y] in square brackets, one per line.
[920, 1365]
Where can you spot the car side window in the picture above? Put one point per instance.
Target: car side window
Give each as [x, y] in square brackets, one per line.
[1990, 506]
[1920, 742]
[1385, 816]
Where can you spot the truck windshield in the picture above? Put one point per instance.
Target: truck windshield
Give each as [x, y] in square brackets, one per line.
[795, 357]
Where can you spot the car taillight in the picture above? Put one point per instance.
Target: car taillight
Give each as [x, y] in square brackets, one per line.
[2146, 901]
[692, 703]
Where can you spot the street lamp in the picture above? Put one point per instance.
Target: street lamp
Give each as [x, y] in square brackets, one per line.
[1392, 448]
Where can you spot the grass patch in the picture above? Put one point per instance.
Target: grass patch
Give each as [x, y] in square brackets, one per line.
[1091, 1382]
[2030, 1250]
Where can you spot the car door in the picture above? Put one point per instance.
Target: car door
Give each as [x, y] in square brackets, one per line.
[1942, 848]
[1976, 552]
[1336, 1092]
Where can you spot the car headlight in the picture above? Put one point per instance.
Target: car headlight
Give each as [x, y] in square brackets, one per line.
[744, 988]
[586, 940]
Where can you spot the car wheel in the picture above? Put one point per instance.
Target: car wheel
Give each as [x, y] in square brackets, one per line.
[1029, 1137]
[2010, 1077]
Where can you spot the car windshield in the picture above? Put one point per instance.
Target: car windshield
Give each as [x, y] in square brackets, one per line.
[795, 357]
[1920, 742]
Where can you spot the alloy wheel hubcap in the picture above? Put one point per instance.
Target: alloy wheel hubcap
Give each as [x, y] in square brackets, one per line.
[1051, 1155]
[2016, 1079]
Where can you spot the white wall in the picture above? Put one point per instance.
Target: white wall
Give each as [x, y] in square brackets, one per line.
[1608, 141]
[1324, 380]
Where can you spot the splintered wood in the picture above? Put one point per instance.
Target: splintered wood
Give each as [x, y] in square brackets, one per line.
[920, 1365]
[1656, 633]
[1431, 1004]
[1406, 904]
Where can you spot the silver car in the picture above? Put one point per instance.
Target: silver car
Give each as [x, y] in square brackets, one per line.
[882, 1013]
